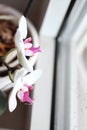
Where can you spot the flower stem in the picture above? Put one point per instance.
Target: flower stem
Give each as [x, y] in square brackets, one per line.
[3, 62]
[8, 68]
[6, 65]
[10, 76]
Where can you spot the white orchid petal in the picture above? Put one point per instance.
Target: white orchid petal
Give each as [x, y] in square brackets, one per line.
[12, 101]
[18, 40]
[24, 61]
[19, 73]
[23, 27]
[31, 78]
[33, 59]
[20, 52]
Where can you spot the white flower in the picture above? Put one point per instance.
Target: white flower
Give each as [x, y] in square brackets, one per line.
[20, 45]
[22, 85]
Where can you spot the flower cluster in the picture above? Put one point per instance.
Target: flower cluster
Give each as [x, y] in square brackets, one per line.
[25, 77]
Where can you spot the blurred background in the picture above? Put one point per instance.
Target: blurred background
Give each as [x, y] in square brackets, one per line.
[35, 13]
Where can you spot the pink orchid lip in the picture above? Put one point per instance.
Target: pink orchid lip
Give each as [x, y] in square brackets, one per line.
[23, 96]
[29, 49]
[28, 40]
[35, 49]
[27, 99]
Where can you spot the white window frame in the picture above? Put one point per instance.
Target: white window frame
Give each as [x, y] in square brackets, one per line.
[72, 42]
[41, 109]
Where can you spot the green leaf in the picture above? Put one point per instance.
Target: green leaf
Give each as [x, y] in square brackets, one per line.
[3, 102]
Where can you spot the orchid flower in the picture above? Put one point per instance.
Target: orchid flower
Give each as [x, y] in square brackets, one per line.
[24, 47]
[29, 49]
[23, 94]
[22, 86]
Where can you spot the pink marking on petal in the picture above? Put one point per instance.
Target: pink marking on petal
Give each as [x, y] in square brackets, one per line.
[26, 98]
[35, 49]
[28, 40]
